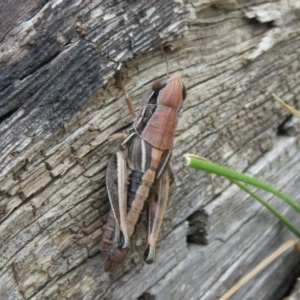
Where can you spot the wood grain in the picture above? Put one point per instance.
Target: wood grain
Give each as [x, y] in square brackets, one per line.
[60, 106]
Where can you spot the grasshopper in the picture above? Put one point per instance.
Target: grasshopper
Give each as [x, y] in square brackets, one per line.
[140, 171]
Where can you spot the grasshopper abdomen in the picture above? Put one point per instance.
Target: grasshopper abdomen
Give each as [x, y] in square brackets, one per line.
[109, 247]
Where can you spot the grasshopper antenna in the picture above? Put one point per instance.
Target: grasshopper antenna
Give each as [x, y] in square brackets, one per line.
[163, 52]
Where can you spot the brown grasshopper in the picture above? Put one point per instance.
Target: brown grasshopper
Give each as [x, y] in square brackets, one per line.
[139, 171]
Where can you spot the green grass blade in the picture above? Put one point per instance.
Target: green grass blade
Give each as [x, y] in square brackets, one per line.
[204, 165]
[274, 211]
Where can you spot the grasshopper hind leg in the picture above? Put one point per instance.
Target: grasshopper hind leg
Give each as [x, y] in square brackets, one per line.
[116, 183]
[157, 207]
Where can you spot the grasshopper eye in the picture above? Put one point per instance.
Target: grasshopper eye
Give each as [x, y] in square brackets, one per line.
[183, 92]
[160, 84]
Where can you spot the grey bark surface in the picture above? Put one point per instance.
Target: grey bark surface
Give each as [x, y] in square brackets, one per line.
[60, 106]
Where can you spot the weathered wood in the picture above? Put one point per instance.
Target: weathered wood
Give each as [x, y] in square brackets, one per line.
[60, 105]
[295, 293]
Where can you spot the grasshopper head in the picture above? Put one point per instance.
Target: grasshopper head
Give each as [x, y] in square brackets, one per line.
[171, 92]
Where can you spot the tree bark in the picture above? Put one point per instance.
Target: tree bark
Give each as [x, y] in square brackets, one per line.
[60, 106]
